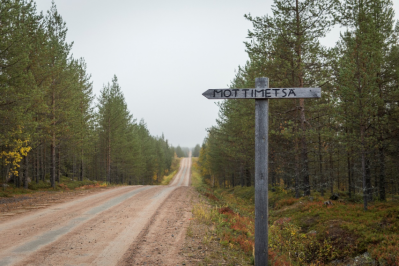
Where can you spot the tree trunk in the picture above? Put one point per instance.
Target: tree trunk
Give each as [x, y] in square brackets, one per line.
[224, 180]
[81, 170]
[349, 176]
[44, 162]
[321, 167]
[304, 146]
[338, 178]
[331, 173]
[7, 173]
[53, 158]
[109, 155]
[53, 161]
[17, 179]
[73, 166]
[248, 175]
[242, 176]
[26, 172]
[363, 154]
[305, 166]
[382, 174]
[59, 166]
[81, 164]
[37, 165]
[368, 181]
[297, 172]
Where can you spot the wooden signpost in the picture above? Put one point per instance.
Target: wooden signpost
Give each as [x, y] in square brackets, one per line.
[262, 93]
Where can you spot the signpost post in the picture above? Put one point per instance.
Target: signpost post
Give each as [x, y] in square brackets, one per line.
[262, 93]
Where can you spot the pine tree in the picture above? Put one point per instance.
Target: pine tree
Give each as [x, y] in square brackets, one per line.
[361, 87]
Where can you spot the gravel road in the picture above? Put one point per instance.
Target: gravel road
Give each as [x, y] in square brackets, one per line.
[130, 225]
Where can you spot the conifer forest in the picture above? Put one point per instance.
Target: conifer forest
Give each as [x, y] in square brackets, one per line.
[51, 123]
[347, 141]
[101, 189]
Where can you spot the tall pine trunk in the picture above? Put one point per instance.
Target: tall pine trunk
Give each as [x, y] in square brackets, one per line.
[59, 166]
[304, 146]
[363, 157]
[53, 158]
[44, 162]
[331, 173]
[53, 161]
[37, 164]
[321, 167]
[382, 174]
[368, 180]
[81, 162]
[109, 153]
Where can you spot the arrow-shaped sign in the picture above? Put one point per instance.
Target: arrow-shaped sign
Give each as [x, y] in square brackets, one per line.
[259, 93]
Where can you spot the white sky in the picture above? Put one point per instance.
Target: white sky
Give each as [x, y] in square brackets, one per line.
[165, 54]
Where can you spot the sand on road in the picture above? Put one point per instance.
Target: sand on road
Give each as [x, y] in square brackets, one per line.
[130, 225]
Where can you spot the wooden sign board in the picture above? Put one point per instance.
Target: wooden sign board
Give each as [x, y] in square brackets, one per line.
[259, 93]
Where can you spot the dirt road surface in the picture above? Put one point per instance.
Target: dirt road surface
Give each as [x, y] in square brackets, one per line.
[134, 225]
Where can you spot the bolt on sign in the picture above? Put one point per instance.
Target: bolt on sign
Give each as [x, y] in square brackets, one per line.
[262, 93]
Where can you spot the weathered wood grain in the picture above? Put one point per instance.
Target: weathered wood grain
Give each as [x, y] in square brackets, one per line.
[261, 174]
[262, 93]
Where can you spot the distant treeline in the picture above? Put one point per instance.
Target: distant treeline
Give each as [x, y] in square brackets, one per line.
[184, 151]
[346, 141]
[50, 125]
[196, 151]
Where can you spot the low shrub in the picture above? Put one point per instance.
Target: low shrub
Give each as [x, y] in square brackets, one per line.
[41, 185]
[285, 202]
[386, 252]
[286, 238]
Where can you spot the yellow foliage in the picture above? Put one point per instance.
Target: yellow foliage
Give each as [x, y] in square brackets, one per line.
[17, 150]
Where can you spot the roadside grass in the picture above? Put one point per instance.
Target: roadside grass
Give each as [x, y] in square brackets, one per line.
[65, 184]
[173, 170]
[304, 231]
[210, 217]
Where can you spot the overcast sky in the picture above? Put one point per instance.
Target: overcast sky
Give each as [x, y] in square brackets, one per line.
[165, 54]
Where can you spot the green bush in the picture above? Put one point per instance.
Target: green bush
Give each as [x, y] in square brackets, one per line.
[41, 185]
[4, 194]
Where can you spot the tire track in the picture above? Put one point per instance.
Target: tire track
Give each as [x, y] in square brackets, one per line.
[94, 230]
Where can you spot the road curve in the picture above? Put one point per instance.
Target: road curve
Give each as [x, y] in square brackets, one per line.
[98, 229]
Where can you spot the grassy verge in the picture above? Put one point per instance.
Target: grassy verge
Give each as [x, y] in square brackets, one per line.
[65, 184]
[173, 170]
[305, 231]
[209, 227]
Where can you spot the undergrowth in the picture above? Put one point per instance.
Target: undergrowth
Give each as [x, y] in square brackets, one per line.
[173, 170]
[65, 184]
[304, 231]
